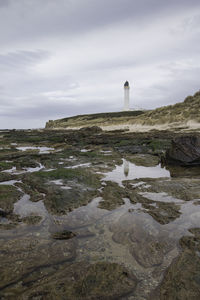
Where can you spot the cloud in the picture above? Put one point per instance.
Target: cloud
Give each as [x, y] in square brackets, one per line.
[21, 59]
[4, 3]
[34, 18]
[64, 57]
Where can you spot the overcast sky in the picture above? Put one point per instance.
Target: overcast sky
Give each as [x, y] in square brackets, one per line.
[60, 58]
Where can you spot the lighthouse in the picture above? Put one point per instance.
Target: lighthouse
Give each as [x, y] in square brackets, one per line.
[126, 96]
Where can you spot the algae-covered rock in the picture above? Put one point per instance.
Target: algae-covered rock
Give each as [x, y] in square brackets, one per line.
[86, 281]
[145, 160]
[5, 176]
[182, 279]
[179, 188]
[164, 213]
[79, 187]
[5, 165]
[8, 196]
[26, 260]
[26, 162]
[40, 260]
[32, 220]
[112, 195]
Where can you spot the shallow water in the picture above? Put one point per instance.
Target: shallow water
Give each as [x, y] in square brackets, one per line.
[105, 236]
[129, 171]
[78, 166]
[9, 182]
[127, 235]
[60, 183]
[43, 150]
[14, 171]
[85, 150]
[160, 197]
[24, 207]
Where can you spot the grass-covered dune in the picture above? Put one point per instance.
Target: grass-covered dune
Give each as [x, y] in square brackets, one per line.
[181, 114]
[188, 110]
[93, 119]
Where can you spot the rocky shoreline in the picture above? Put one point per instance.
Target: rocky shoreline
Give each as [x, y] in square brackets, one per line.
[88, 214]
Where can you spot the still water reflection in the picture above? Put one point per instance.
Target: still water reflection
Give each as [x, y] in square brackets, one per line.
[129, 171]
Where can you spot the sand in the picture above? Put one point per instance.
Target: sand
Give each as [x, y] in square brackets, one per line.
[188, 126]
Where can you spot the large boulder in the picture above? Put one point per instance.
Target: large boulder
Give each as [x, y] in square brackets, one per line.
[185, 150]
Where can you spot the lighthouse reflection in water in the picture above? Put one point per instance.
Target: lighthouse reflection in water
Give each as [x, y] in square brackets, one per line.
[130, 171]
[126, 168]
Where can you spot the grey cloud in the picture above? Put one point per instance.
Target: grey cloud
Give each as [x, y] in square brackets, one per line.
[34, 18]
[21, 58]
[38, 116]
[32, 84]
[189, 26]
[4, 3]
[47, 109]
[183, 82]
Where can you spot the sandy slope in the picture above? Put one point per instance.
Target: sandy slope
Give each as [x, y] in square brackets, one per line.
[183, 116]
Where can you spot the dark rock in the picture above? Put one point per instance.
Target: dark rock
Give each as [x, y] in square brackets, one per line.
[37, 256]
[3, 213]
[83, 281]
[185, 150]
[133, 149]
[181, 280]
[8, 196]
[63, 235]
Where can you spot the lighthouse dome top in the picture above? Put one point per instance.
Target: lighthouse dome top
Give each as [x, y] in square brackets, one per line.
[126, 84]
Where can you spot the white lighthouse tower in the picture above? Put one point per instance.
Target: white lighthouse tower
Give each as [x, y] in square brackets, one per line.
[126, 96]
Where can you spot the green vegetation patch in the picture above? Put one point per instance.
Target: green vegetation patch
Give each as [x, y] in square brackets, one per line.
[8, 196]
[80, 281]
[5, 165]
[80, 175]
[79, 187]
[159, 145]
[146, 160]
[32, 220]
[112, 195]
[182, 278]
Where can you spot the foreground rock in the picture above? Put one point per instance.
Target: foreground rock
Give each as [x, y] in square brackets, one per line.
[185, 150]
[181, 281]
[26, 260]
[82, 281]
[76, 235]
[79, 281]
